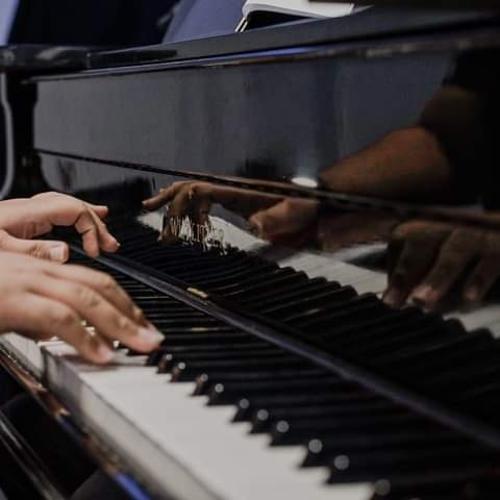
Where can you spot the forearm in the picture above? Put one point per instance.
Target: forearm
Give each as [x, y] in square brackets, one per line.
[407, 164]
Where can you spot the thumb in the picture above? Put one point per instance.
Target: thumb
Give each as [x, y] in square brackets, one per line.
[286, 218]
[56, 251]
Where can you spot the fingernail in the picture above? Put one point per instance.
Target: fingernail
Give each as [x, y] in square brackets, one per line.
[150, 336]
[255, 228]
[58, 253]
[104, 353]
[421, 295]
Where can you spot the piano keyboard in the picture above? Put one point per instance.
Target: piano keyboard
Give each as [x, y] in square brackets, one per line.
[219, 412]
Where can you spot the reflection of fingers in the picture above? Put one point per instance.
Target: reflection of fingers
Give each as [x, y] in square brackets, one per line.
[454, 255]
[93, 307]
[412, 262]
[178, 208]
[481, 279]
[287, 217]
[41, 249]
[50, 317]
[102, 283]
[162, 198]
[180, 205]
[200, 222]
[271, 222]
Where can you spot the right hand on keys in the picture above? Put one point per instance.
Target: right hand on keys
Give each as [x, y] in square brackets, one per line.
[41, 299]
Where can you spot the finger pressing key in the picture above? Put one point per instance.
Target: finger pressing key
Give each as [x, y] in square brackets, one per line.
[99, 312]
[51, 318]
[102, 283]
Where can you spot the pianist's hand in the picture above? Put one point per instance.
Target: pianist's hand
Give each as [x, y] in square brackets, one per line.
[32, 217]
[42, 299]
[271, 217]
[429, 260]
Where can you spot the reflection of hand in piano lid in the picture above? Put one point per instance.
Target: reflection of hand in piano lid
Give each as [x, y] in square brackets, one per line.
[271, 217]
[431, 261]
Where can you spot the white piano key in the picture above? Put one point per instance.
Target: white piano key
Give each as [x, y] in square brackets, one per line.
[180, 445]
[482, 317]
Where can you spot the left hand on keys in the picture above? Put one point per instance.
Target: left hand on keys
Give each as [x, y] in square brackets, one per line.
[22, 219]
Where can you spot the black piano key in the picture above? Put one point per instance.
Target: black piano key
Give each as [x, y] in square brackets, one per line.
[169, 360]
[298, 431]
[189, 371]
[473, 485]
[226, 276]
[392, 324]
[310, 301]
[226, 271]
[165, 321]
[360, 308]
[375, 465]
[247, 407]
[315, 286]
[231, 392]
[279, 278]
[192, 337]
[322, 451]
[420, 364]
[417, 341]
[198, 336]
[428, 343]
[200, 347]
[214, 347]
[205, 382]
[263, 419]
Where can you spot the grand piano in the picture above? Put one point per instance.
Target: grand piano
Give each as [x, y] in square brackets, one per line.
[282, 374]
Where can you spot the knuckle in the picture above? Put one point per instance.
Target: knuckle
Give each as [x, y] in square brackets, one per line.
[86, 296]
[62, 318]
[401, 232]
[38, 250]
[123, 324]
[106, 282]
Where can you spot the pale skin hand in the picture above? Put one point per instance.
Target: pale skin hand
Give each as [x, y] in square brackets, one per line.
[22, 219]
[42, 299]
[428, 258]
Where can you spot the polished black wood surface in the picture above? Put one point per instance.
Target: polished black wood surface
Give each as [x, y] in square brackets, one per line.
[262, 115]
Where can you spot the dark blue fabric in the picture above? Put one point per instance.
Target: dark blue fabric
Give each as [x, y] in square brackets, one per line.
[90, 22]
[204, 18]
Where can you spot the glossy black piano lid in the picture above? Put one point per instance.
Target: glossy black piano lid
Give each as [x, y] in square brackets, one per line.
[365, 24]
[266, 115]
